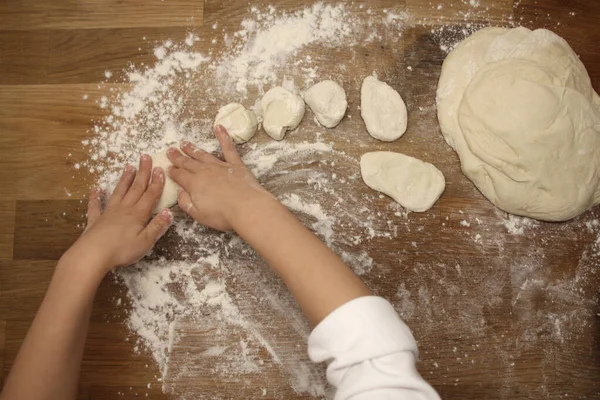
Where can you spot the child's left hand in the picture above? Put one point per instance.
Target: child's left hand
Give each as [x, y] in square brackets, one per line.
[123, 233]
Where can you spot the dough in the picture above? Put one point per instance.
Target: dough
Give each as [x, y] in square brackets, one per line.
[169, 194]
[383, 110]
[241, 124]
[327, 100]
[519, 109]
[282, 111]
[414, 184]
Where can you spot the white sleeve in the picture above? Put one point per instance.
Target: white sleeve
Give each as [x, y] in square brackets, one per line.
[372, 353]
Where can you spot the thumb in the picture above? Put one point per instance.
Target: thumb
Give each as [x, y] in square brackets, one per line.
[159, 225]
[185, 202]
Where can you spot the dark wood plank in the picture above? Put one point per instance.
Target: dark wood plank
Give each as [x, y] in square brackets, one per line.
[7, 226]
[448, 12]
[89, 14]
[2, 347]
[23, 57]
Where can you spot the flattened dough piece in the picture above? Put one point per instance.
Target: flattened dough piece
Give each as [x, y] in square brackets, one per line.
[414, 184]
[241, 124]
[169, 194]
[282, 112]
[328, 101]
[383, 110]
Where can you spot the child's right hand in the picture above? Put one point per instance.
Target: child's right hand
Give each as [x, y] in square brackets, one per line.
[214, 192]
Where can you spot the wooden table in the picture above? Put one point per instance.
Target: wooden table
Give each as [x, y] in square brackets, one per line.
[537, 334]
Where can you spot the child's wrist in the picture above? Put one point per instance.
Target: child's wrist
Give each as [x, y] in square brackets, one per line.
[85, 261]
[254, 206]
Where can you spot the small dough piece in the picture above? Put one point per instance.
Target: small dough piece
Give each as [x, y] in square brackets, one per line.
[414, 184]
[169, 195]
[383, 110]
[241, 124]
[327, 100]
[282, 111]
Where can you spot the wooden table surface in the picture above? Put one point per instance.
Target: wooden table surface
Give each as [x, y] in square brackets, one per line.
[54, 52]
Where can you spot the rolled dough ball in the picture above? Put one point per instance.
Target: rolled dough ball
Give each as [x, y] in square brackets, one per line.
[519, 109]
[383, 110]
[414, 184]
[282, 112]
[241, 124]
[169, 194]
[327, 100]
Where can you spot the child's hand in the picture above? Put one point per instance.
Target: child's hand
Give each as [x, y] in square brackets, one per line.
[213, 191]
[122, 234]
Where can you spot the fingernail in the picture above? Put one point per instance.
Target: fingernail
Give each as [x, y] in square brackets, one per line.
[129, 168]
[145, 157]
[185, 143]
[172, 151]
[166, 215]
[157, 172]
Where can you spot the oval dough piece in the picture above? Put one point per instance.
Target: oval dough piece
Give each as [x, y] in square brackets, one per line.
[282, 111]
[327, 100]
[169, 195]
[383, 110]
[524, 120]
[241, 124]
[414, 184]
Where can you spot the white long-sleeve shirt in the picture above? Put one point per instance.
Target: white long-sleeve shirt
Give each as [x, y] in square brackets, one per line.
[372, 353]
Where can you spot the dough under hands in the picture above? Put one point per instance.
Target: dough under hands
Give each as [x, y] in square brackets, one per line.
[282, 111]
[414, 184]
[169, 194]
[519, 109]
[383, 110]
[241, 124]
[328, 101]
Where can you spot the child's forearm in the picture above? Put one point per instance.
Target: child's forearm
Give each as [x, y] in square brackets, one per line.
[48, 363]
[318, 279]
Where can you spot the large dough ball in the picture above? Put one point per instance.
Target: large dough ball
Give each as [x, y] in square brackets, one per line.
[241, 124]
[328, 101]
[383, 110]
[519, 109]
[282, 112]
[414, 184]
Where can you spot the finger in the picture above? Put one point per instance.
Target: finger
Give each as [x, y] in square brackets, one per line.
[229, 152]
[184, 201]
[153, 193]
[123, 186]
[182, 177]
[94, 210]
[198, 154]
[181, 161]
[159, 225]
[140, 183]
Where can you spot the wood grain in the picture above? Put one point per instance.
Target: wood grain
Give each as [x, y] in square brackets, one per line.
[7, 216]
[90, 14]
[52, 53]
[2, 347]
